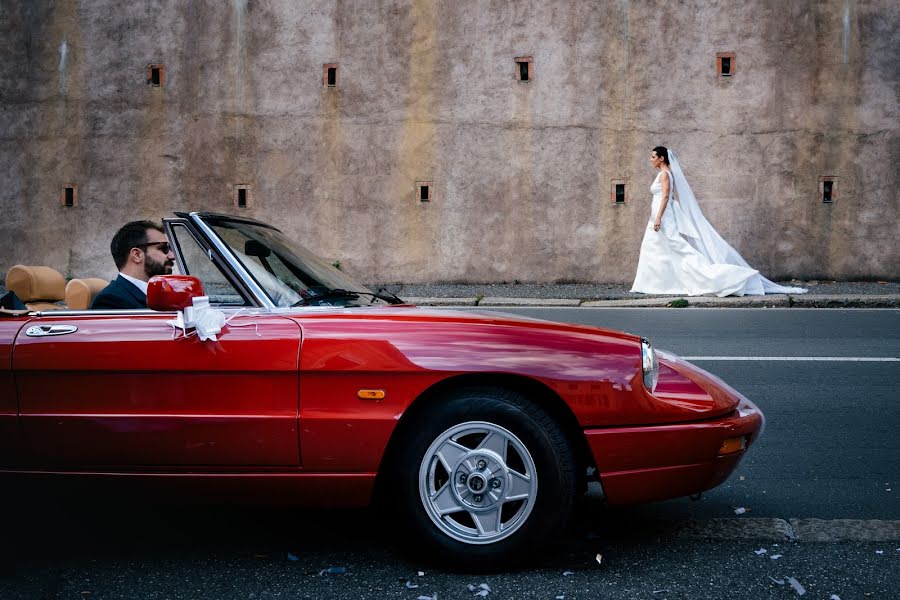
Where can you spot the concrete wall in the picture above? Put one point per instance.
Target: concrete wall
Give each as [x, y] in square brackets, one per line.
[522, 171]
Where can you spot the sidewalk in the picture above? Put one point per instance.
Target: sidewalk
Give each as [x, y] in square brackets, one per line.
[822, 294]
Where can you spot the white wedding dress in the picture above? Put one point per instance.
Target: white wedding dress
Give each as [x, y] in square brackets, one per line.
[687, 256]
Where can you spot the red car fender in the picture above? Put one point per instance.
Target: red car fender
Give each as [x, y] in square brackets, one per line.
[404, 352]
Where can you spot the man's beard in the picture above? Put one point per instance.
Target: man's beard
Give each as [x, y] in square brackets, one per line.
[153, 267]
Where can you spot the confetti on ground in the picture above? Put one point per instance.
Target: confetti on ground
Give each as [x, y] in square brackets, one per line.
[567, 573]
[411, 586]
[482, 590]
[740, 510]
[775, 556]
[777, 581]
[599, 558]
[333, 571]
[796, 585]
[760, 552]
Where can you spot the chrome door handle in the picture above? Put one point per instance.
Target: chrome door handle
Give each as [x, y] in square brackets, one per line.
[45, 330]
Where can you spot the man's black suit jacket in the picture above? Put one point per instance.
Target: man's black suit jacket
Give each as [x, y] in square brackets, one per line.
[120, 293]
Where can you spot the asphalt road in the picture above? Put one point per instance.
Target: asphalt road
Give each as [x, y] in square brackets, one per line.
[819, 492]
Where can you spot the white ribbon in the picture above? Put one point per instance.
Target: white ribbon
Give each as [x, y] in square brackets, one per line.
[207, 322]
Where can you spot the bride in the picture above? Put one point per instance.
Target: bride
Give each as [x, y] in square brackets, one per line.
[682, 253]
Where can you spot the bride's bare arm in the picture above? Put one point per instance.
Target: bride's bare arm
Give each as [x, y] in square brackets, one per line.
[664, 183]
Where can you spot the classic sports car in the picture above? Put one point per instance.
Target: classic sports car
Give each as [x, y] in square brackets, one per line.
[477, 429]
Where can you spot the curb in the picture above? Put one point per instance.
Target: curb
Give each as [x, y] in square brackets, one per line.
[847, 301]
[529, 302]
[420, 301]
[771, 301]
[792, 530]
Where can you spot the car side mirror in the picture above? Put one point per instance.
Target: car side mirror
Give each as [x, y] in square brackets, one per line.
[257, 249]
[172, 292]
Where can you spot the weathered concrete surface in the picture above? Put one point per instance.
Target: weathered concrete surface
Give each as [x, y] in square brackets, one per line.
[847, 301]
[776, 301]
[427, 91]
[772, 301]
[441, 301]
[529, 302]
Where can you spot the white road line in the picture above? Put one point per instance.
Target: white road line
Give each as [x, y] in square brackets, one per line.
[798, 358]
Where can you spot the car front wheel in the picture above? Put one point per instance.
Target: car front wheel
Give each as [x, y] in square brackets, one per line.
[485, 476]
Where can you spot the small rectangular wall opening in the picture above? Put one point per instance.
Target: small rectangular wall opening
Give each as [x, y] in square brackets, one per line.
[330, 75]
[155, 75]
[725, 64]
[827, 189]
[241, 195]
[69, 196]
[524, 68]
[425, 191]
[618, 191]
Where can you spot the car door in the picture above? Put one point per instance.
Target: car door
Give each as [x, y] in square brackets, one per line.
[9, 426]
[123, 389]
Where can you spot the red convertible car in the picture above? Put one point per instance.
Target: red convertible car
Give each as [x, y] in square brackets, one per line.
[477, 429]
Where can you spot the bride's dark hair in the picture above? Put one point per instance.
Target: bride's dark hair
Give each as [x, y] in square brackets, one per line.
[663, 153]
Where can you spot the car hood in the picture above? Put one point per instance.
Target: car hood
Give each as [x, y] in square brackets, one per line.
[409, 312]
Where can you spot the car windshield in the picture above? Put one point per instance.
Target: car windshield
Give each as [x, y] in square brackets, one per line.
[289, 274]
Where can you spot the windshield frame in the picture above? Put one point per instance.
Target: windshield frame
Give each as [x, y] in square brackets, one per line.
[206, 223]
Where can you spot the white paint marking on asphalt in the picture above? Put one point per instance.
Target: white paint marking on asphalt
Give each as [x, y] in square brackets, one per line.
[799, 358]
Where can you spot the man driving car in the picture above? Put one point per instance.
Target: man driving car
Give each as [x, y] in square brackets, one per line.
[140, 250]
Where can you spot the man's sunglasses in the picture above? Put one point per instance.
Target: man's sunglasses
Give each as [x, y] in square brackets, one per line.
[164, 247]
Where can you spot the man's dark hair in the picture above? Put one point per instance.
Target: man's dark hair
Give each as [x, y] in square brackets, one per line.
[131, 235]
[663, 153]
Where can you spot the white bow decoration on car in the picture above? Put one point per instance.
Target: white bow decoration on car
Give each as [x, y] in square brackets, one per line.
[206, 321]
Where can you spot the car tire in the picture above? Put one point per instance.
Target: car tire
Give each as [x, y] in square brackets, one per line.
[476, 439]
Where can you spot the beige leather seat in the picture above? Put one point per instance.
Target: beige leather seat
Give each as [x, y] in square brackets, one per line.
[40, 288]
[80, 292]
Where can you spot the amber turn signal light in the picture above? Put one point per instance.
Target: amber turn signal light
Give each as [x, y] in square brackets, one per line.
[371, 394]
[732, 445]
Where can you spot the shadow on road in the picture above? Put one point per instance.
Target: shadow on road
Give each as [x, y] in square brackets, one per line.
[97, 546]
[45, 523]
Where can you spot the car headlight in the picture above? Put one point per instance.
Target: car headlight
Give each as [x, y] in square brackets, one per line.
[649, 365]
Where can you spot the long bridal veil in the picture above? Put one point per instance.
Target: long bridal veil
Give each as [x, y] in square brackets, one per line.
[700, 234]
